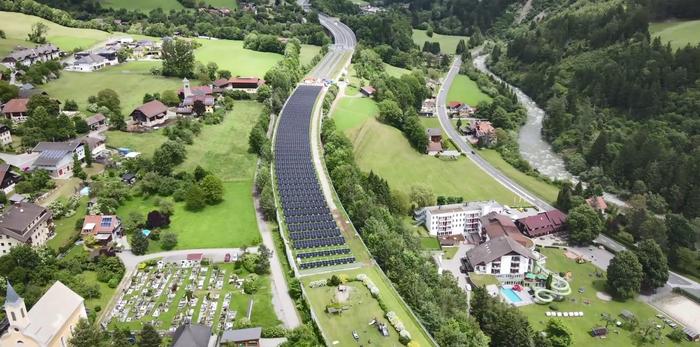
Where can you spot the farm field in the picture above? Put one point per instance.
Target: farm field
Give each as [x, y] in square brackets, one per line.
[18, 25]
[230, 55]
[217, 298]
[538, 187]
[583, 277]
[130, 80]
[230, 223]
[386, 151]
[448, 43]
[363, 308]
[465, 90]
[678, 33]
[143, 5]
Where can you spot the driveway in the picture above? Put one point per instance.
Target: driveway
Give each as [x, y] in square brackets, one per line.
[453, 265]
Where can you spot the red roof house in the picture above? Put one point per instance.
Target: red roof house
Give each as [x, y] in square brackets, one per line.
[16, 110]
[542, 223]
[597, 203]
[103, 227]
[453, 105]
[368, 91]
[150, 114]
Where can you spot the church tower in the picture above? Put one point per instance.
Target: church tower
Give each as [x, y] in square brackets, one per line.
[14, 308]
[186, 90]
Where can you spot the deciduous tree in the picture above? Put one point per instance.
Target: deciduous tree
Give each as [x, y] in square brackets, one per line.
[654, 264]
[625, 275]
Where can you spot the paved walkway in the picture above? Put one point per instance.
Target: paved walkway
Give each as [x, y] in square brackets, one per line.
[281, 301]
[217, 255]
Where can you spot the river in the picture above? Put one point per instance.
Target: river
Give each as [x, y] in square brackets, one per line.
[533, 147]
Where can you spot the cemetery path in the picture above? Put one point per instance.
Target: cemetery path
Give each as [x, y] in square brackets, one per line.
[216, 255]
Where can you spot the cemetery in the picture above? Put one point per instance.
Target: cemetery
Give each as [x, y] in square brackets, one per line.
[169, 294]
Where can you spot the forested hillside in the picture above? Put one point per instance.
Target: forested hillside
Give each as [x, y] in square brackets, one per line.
[623, 109]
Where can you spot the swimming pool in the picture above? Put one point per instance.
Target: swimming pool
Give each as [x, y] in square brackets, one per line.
[510, 294]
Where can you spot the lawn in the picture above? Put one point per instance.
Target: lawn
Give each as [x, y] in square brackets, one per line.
[386, 151]
[308, 52]
[450, 252]
[130, 80]
[230, 55]
[583, 277]
[448, 43]
[351, 112]
[534, 185]
[65, 227]
[483, 279]
[18, 25]
[465, 90]
[363, 308]
[145, 143]
[230, 4]
[106, 292]
[144, 5]
[429, 243]
[229, 224]
[678, 33]
[394, 71]
[223, 148]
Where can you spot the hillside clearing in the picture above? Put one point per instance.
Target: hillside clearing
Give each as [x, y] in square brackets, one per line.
[448, 43]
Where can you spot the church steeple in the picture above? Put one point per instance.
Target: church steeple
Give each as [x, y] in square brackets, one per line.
[14, 308]
[186, 89]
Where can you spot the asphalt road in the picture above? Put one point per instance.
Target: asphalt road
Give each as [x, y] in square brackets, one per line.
[599, 257]
[344, 42]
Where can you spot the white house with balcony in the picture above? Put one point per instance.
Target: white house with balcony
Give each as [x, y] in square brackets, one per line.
[457, 219]
[500, 256]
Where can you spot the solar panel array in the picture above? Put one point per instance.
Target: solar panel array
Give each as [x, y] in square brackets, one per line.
[308, 218]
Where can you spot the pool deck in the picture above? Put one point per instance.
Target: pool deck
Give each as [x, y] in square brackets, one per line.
[525, 298]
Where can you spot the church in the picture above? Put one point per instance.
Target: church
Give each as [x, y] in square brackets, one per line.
[49, 323]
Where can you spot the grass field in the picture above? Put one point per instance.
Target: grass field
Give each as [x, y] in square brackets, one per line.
[65, 227]
[230, 55]
[394, 71]
[351, 112]
[386, 151]
[583, 277]
[465, 90]
[307, 53]
[145, 143]
[130, 80]
[223, 148]
[541, 188]
[678, 33]
[17, 26]
[448, 43]
[363, 308]
[105, 291]
[145, 5]
[230, 4]
[228, 224]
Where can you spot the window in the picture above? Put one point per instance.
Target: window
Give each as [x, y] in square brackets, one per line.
[21, 311]
[14, 318]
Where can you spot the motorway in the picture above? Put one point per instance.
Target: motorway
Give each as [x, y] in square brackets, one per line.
[344, 44]
[599, 257]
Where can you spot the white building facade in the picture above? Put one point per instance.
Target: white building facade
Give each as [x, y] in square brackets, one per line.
[458, 219]
[501, 256]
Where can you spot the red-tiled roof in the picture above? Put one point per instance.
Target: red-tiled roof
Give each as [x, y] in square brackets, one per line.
[246, 81]
[96, 226]
[434, 146]
[198, 90]
[369, 90]
[597, 202]
[152, 108]
[496, 225]
[195, 256]
[15, 106]
[542, 223]
[483, 127]
[454, 104]
[221, 82]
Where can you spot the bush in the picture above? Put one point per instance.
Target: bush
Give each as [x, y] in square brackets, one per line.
[334, 281]
[168, 241]
[274, 332]
[250, 286]
[113, 283]
[677, 335]
[553, 307]
[98, 308]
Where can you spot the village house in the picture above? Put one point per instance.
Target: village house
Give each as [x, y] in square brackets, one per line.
[454, 107]
[368, 91]
[15, 110]
[191, 96]
[483, 133]
[57, 157]
[96, 121]
[5, 135]
[434, 141]
[192, 335]
[87, 63]
[457, 219]
[50, 322]
[597, 203]
[249, 337]
[543, 223]
[150, 114]
[25, 223]
[500, 256]
[427, 108]
[495, 225]
[145, 49]
[96, 143]
[104, 228]
[29, 56]
[246, 84]
[8, 178]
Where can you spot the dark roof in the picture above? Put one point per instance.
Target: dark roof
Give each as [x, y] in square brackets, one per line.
[18, 221]
[496, 225]
[4, 169]
[128, 176]
[434, 132]
[15, 106]
[496, 248]
[207, 100]
[152, 108]
[189, 335]
[239, 335]
[542, 223]
[245, 80]
[53, 152]
[90, 59]
[4, 128]
[23, 53]
[95, 118]
[11, 296]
